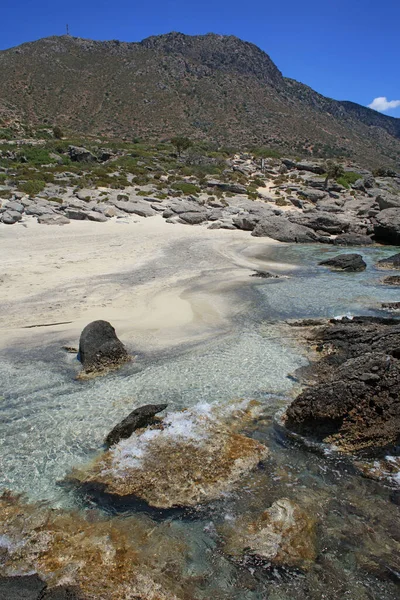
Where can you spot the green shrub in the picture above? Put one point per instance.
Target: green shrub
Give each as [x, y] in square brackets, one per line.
[6, 133]
[186, 188]
[348, 178]
[58, 133]
[265, 153]
[32, 187]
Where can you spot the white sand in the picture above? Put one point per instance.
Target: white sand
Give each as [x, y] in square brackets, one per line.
[159, 284]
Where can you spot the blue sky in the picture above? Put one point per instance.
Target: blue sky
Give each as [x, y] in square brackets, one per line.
[344, 49]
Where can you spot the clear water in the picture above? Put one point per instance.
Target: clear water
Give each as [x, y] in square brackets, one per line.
[50, 423]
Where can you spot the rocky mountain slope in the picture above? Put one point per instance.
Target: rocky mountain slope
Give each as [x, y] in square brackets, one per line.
[209, 87]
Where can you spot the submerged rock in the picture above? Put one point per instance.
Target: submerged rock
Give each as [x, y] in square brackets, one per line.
[190, 457]
[264, 275]
[392, 280]
[140, 417]
[283, 535]
[100, 348]
[356, 402]
[345, 262]
[70, 557]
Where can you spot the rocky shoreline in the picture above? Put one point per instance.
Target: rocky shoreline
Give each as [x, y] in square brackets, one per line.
[288, 201]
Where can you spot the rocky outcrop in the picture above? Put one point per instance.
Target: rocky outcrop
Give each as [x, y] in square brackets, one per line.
[100, 348]
[280, 229]
[387, 227]
[188, 458]
[80, 154]
[284, 536]
[138, 418]
[345, 262]
[391, 262]
[392, 280]
[356, 402]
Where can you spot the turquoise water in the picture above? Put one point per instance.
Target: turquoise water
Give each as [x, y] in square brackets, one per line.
[50, 423]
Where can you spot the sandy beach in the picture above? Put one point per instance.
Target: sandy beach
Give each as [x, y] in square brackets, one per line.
[158, 284]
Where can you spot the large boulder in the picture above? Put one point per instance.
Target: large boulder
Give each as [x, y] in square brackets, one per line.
[53, 219]
[100, 348]
[279, 228]
[140, 417]
[387, 227]
[387, 200]
[10, 217]
[193, 218]
[355, 403]
[345, 262]
[188, 458]
[80, 154]
[352, 239]
[320, 221]
[283, 536]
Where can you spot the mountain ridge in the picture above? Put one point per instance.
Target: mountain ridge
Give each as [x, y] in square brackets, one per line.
[208, 86]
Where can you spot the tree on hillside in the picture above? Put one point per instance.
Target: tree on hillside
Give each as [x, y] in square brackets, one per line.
[333, 171]
[57, 132]
[181, 143]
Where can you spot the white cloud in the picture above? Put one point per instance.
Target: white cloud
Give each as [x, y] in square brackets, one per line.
[382, 104]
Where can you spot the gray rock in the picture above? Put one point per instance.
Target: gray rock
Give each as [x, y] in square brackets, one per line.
[279, 228]
[16, 206]
[38, 210]
[391, 262]
[141, 209]
[193, 218]
[387, 227]
[246, 222]
[386, 200]
[75, 214]
[312, 194]
[178, 206]
[330, 205]
[80, 154]
[352, 239]
[320, 221]
[138, 418]
[96, 216]
[345, 262]
[311, 167]
[234, 188]
[99, 347]
[10, 217]
[53, 220]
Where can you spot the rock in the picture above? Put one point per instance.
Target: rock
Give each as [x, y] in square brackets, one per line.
[10, 217]
[310, 167]
[25, 587]
[75, 214]
[234, 188]
[330, 205]
[387, 227]
[178, 207]
[193, 218]
[320, 221]
[100, 348]
[264, 275]
[386, 200]
[246, 222]
[279, 228]
[391, 262]
[103, 558]
[352, 239]
[356, 403]
[80, 154]
[38, 210]
[138, 418]
[283, 535]
[345, 262]
[190, 457]
[391, 305]
[137, 208]
[15, 206]
[312, 194]
[392, 280]
[96, 216]
[53, 220]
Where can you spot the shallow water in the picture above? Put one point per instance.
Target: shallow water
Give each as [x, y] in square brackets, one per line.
[50, 423]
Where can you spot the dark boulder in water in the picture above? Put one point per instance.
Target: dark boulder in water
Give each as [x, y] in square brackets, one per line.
[345, 262]
[100, 348]
[138, 418]
[28, 587]
[391, 262]
[356, 402]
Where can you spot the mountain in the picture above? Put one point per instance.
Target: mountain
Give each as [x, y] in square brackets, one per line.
[210, 87]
